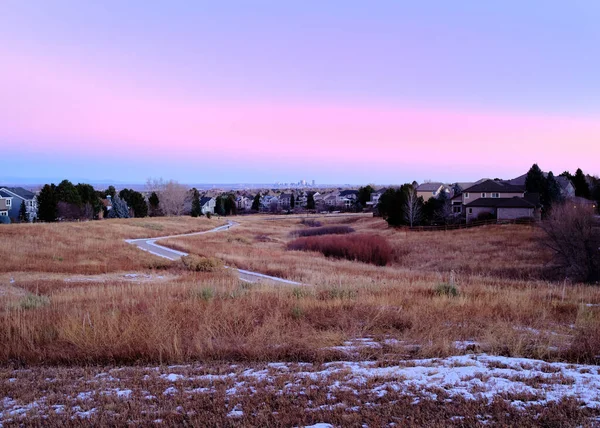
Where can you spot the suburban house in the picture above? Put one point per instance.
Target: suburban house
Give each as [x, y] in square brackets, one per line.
[567, 189]
[501, 208]
[430, 190]
[13, 197]
[375, 197]
[3, 207]
[207, 205]
[285, 201]
[244, 202]
[486, 189]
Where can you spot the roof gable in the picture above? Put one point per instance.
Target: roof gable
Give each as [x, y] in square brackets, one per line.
[491, 186]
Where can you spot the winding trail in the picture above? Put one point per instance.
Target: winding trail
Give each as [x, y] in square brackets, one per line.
[149, 245]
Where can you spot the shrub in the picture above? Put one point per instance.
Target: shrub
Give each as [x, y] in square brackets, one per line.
[32, 301]
[327, 230]
[208, 214]
[446, 289]
[204, 293]
[486, 217]
[310, 222]
[201, 264]
[361, 247]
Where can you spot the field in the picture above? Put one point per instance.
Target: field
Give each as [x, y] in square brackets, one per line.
[91, 327]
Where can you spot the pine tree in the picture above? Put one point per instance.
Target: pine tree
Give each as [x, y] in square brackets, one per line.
[364, 194]
[119, 208]
[23, 214]
[196, 208]
[535, 181]
[582, 187]
[154, 205]
[67, 192]
[292, 202]
[310, 201]
[47, 203]
[553, 190]
[256, 202]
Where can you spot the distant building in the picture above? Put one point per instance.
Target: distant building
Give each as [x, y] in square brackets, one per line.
[13, 197]
[207, 205]
[430, 190]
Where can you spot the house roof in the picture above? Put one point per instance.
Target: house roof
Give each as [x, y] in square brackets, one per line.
[204, 200]
[348, 192]
[492, 186]
[515, 202]
[429, 187]
[4, 194]
[563, 182]
[20, 192]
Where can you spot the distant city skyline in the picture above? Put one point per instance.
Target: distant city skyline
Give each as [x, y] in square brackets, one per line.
[345, 92]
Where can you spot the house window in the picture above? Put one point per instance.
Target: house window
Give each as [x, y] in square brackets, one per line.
[8, 202]
[483, 195]
[466, 195]
[470, 210]
[4, 213]
[495, 195]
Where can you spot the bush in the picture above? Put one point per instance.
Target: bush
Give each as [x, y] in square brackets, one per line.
[208, 214]
[446, 289]
[574, 236]
[4, 219]
[327, 230]
[361, 247]
[32, 301]
[201, 264]
[486, 217]
[310, 222]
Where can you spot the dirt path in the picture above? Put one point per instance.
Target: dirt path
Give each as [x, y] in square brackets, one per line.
[150, 245]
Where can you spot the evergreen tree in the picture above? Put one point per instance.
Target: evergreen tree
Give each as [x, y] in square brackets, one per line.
[582, 187]
[292, 202]
[111, 191]
[196, 208]
[364, 194]
[256, 202]
[310, 201]
[535, 181]
[67, 192]
[119, 208]
[23, 214]
[553, 190]
[88, 195]
[47, 203]
[153, 201]
[135, 200]
[392, 205]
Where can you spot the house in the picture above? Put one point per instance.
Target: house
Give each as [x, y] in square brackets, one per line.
[13, 198]
[430, 190]
[487, 189]
[375, 197]
[3, 207]
[567, 189]
[207, 205]
[285, 201]
[582, 203]
[504, 208]
[244, 202]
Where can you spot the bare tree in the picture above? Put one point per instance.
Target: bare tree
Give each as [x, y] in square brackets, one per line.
[172, 195]
[412, 207]
[573, 234]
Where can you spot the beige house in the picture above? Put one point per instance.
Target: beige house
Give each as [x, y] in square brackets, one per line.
[3, 207]
[501, 209]
[488, 189]
[430, 190]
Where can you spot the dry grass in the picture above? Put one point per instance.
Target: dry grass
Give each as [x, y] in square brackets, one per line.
[88, 247]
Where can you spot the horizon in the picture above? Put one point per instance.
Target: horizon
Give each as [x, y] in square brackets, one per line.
[339, 93]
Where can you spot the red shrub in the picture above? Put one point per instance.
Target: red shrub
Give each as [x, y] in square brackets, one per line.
[361, 247]
[327, 230]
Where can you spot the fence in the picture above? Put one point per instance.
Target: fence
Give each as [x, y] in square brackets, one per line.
[448, 227]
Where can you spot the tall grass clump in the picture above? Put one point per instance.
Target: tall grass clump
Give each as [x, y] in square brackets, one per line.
[364, 248]
[311, 222]
[327, 230]
[201, 264]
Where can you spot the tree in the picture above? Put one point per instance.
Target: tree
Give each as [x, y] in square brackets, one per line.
[135, 200]
[196, 208]
[89, 196]
[596, 191]
[535, 182]
[310, 201]
[364, 194]
[256, 202]
[292, 202]
[47, 203]
[119, 208]
[574, 236]
[392, 203]
[171, 194]
[153, 201]
[67, 192]
[553, 194]
[582, 187]
[23, 214]
[111, 191]
[412, 207]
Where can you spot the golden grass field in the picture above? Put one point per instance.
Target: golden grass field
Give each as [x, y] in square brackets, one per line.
[66, 297]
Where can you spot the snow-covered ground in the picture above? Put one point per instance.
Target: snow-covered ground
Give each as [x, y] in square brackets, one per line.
[519, 381]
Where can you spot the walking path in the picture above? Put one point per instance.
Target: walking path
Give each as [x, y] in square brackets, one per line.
[149, 245]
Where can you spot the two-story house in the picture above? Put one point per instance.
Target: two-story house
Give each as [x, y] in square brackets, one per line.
[13, 197]
[431, 190]
[207, 205]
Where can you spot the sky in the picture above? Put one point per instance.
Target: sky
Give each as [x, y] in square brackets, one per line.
[386, 91]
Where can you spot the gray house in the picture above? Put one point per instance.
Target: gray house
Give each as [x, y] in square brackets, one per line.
[12, 198]
[207, 205]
